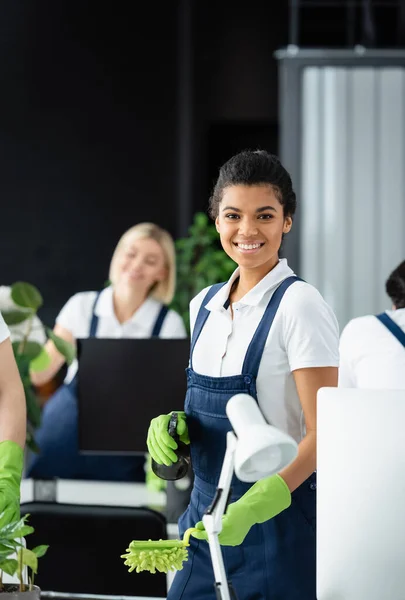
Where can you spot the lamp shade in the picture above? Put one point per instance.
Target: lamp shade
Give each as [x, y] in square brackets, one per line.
[262, 450]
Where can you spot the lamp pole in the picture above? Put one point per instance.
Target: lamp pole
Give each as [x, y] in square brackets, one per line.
[212, 520]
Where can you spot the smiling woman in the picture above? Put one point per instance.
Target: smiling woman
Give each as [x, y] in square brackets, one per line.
[251, 226]
[266, 333]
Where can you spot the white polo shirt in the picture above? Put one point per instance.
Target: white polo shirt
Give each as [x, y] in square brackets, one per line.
[370, 356]
[304, 334]
[4, 332]
[77, 312]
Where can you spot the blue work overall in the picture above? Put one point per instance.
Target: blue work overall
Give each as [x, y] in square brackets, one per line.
[392, 327]
[277, 560]
[57, 437]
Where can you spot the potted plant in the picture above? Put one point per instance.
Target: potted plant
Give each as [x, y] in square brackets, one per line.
[17, 560]
[21, 317]
[200, 263]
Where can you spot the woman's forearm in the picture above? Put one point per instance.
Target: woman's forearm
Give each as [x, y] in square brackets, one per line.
[305, 463]
[13, 414]
[308, 382]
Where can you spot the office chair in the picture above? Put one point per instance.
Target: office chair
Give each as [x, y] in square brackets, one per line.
[85, 544]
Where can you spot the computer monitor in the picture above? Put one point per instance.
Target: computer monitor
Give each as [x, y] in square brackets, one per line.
[360, 494]
[122, 385]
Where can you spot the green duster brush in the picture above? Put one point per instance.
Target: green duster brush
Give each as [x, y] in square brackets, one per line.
[161, 555]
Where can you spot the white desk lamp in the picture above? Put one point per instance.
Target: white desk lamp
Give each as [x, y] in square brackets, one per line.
[257, 450]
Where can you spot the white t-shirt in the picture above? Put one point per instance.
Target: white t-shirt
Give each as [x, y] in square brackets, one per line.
[304, 334]
[370, 356]
[4, 332]
[77, 312]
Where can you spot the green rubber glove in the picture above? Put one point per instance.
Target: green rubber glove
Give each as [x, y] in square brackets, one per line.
[160, 444]
[265, 499]
[11, 466]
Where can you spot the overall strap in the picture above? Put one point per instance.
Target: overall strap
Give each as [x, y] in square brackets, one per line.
[392, 327]
[94, 318]
[202, 316]
[256, 347]
[159, 321]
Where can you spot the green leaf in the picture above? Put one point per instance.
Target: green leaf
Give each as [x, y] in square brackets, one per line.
[28, 558]
[201, 220]
[6, 548]
[15, 317]
[23, 365]
[33, 408]
[67, 350]
[16, 529]
[26, 295]
[21, 532]
[41, 361]
[40, 550]
[9, 566]
[6, 516]
[31, 443]
[31, 349]
[12, 545]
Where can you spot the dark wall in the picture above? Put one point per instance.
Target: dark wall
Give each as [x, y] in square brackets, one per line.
[236, 82]
[89, 124]
[87, 136]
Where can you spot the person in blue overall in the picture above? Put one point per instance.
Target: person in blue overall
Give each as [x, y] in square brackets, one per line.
[372, 347]
[269, 334]
[142, 275]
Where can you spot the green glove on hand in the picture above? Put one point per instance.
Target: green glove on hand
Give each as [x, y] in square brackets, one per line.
[265, 499]
[160, 443]
[11, 466]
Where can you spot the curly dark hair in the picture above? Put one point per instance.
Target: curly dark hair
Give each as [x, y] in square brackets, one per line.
[255, 167]
[395, 286]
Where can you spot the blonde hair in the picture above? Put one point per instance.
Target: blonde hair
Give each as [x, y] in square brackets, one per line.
[163, 291]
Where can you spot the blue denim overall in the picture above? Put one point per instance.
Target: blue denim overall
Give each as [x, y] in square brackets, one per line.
[392, 327]
[276, 561]
[57, 437]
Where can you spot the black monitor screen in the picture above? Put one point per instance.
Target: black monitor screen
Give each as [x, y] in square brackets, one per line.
[122, 385]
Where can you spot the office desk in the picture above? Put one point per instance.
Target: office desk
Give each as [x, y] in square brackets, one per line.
[65, 596]
[94, 493]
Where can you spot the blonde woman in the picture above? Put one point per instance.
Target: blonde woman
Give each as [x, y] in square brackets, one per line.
[143, 277]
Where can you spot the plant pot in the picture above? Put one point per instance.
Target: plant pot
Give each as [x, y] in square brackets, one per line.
[11, 591]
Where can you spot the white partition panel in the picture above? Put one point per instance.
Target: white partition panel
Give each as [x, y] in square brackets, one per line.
[361, 495]
[353, 184]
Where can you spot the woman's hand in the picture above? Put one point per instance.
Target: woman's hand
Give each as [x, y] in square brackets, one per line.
[160, 443]
[264, 500]
[57, 360]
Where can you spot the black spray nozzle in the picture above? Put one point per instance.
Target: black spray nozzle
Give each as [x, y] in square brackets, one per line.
[172, 427]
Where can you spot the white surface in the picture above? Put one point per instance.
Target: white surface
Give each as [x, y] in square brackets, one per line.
[361, 495]
[99, 493]
[353, 184]
[94, 596]
[304, 334]
[172, 531]
[370, 356]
